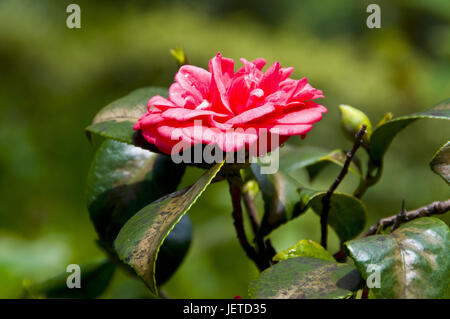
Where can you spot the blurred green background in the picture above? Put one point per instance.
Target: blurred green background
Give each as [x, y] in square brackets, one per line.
[53, 80]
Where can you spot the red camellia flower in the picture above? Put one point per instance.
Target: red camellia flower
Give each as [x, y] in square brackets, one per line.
[230, 108]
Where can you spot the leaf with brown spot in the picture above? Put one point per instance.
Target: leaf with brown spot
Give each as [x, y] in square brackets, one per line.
[141, 237]
[306, 278]
[414, 260]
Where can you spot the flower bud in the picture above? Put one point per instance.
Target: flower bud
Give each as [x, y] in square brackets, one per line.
[352, 120]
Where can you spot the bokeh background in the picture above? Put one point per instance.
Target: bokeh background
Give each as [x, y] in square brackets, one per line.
[53, 80]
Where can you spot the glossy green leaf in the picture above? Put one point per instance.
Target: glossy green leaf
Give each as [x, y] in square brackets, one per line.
[173, 250]
[140, 239]
[122, 180]
[440, 164]
[280, 198]
[347, 215]
[306, 278]
[413, 261]
[383, 135]
[94, 279]
[116, 120]
[314, 160]
[304, 248]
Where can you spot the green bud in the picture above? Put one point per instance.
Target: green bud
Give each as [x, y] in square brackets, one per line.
[352, 121]
[179, 56]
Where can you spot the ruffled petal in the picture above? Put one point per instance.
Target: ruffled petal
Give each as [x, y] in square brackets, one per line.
[194, 79]
[222, 71]
[159, 102]
[252, 114]
[182, 114]
[289, 129]
[271, 79]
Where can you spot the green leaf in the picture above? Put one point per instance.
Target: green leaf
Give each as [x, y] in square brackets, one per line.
[304, 248]
[140, 239]
[306, 278]
[414, 260]
[314, 160]
[280, 197]
[383, 135]
[122, 180]
[173, 250]
[116, 120]
[94, 277]
[440, 164]
[347, 215]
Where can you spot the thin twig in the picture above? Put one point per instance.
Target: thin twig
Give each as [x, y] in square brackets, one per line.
[326, 200]
[235, 192]
[434, 208]
[399, 217]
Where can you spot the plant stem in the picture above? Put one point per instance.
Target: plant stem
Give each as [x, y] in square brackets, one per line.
[434, 208]
[235, 192]
[365, 293]
[252, 212]
[326, 200]
[370, 178]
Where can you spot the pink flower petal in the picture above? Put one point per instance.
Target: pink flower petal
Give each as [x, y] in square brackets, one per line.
[194, 79]
[271, 79]
[290, 129]
[222, 71]
[252, 114]
[182, 114]
[159, 102]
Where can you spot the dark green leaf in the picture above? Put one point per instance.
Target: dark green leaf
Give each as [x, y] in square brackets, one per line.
[304, 248]
[383, 135]
[140, 239]
[122, 180]
[116, 120]
[314, 160]
[95, 278]
[440, 164]
[280, 198]
[414, 260]
[347, 215]
[306, 278]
